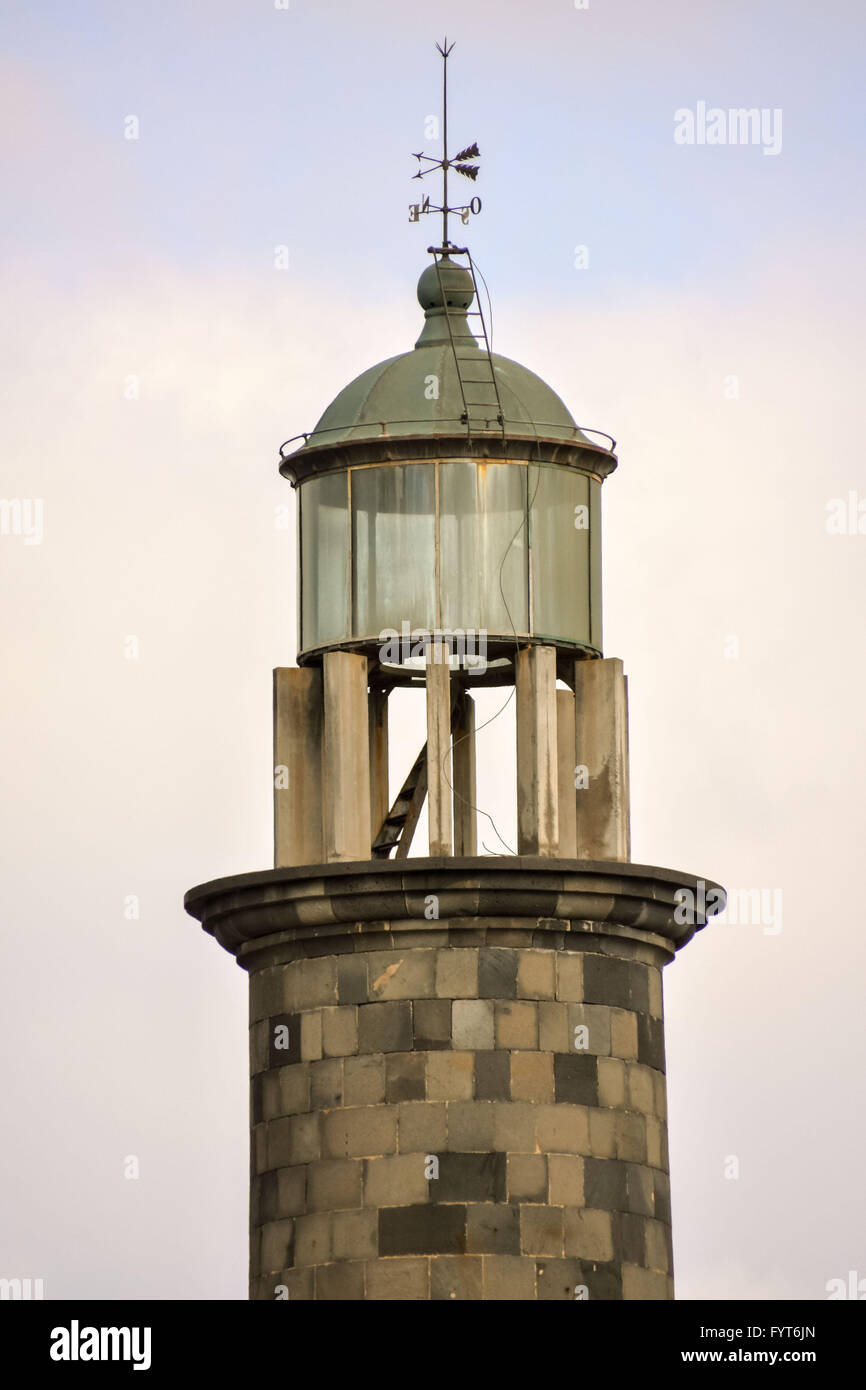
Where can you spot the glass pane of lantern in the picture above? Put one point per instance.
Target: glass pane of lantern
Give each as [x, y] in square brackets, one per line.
[324, 561]
[482, 516]
[393, 549]
[559, 528]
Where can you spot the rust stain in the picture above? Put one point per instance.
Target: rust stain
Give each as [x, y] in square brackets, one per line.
[386, 976]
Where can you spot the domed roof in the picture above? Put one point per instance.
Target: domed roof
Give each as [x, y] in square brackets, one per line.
[422, 392]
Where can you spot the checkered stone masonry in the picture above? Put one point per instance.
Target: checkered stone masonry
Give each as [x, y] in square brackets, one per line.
[484, 1122]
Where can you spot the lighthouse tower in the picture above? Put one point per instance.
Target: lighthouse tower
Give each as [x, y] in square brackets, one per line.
[457, 1060]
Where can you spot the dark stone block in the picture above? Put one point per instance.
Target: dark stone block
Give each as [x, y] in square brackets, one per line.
[281, 1056]
[472, 1177]
[256, 1108]
[405, 1076]
[422, 1230]
[662, 1186]
[629, 1238]
[603, 1280]
[492, 1230]
[638, 988]
[497, 973]
[352, 980]
[432, 1024]
[343, 1281]
[263, 1198]
[604, 1184]
[385, 1027]
[575, 1078]
[492, 1076]
[651, 1041]
[606, 981]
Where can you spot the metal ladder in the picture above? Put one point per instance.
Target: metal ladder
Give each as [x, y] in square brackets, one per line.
[479, 391]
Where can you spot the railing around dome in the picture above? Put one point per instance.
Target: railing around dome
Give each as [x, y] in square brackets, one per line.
[387, 425]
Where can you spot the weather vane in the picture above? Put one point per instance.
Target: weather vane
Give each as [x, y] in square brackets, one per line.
[458, 163]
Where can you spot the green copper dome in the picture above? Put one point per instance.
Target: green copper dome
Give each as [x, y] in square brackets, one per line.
[419, 393]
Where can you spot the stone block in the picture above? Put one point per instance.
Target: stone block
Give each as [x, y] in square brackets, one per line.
[497, 973]
[541, 1230]
[422, 1230]
[371, 1130]
[604, 1184]
[611, 1081]
[628, 1237]
[352, 985]
[334, 1184]
[313, 1238]
[516, 1025]
[340, 1030]
[343, 1282]
[575, 1078]
[311, 1035]
[604, 1281]
[565, 1178]
[536, 975]
[641, 1091]
[385, 1027]
[606, 980]
[532, 1076]
[508, 1278]
[450, 1075]
[640, 1188]
[594, 1022]
[291, 1191]
[556, 1280]
[432, 1023]
[326, 1083]
[602, 1133]
[470, 1177]
[397, 1280]
[662, 1195]
[356, 1234]
[630, 1136]
[515, 1126]
[295, 1091]
[651, 1041]
[315, 981]
[553, 1034]
[472, 1024]
[563, 1128]
[569, 976]
[492, 1076]
[421, 1127]
[457, 1277]
[409, 975]
[660, 1094]
[526, 1176]
[638, 986]
[277, 1248]
[588, 1234]
[405, 1076]
[645, 1284]
[492, 1229]
[397, 1181]
[364, 1079]
[471, 1126]
[457, 973]
[299, 1284]
[654, 984]
[623, 1034]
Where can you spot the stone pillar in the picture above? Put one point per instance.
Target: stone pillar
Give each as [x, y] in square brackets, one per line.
[467, 1103]
[380, 803]
[439, 779]
[565, 772]
[346, 757]
[298, 834]
[537, 795]
[601, 747]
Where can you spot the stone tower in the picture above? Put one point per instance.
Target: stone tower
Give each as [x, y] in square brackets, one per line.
[457, 1061]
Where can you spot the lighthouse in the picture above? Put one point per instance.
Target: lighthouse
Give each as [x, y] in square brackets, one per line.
[457, 1062]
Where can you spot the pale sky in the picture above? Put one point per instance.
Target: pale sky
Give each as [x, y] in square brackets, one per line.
[716, 332]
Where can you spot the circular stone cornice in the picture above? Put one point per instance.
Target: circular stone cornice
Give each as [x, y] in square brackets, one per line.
[249, 912]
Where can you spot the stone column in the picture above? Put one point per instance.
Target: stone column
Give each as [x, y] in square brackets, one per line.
[537, 794]
[466, 1103]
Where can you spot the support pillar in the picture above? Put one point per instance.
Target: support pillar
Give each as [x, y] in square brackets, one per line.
[439, 779]
[346, 758]
[601, 748]
[380, 803]
[565, 774]
[298, 833]
[537, 796]
[463, 757]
